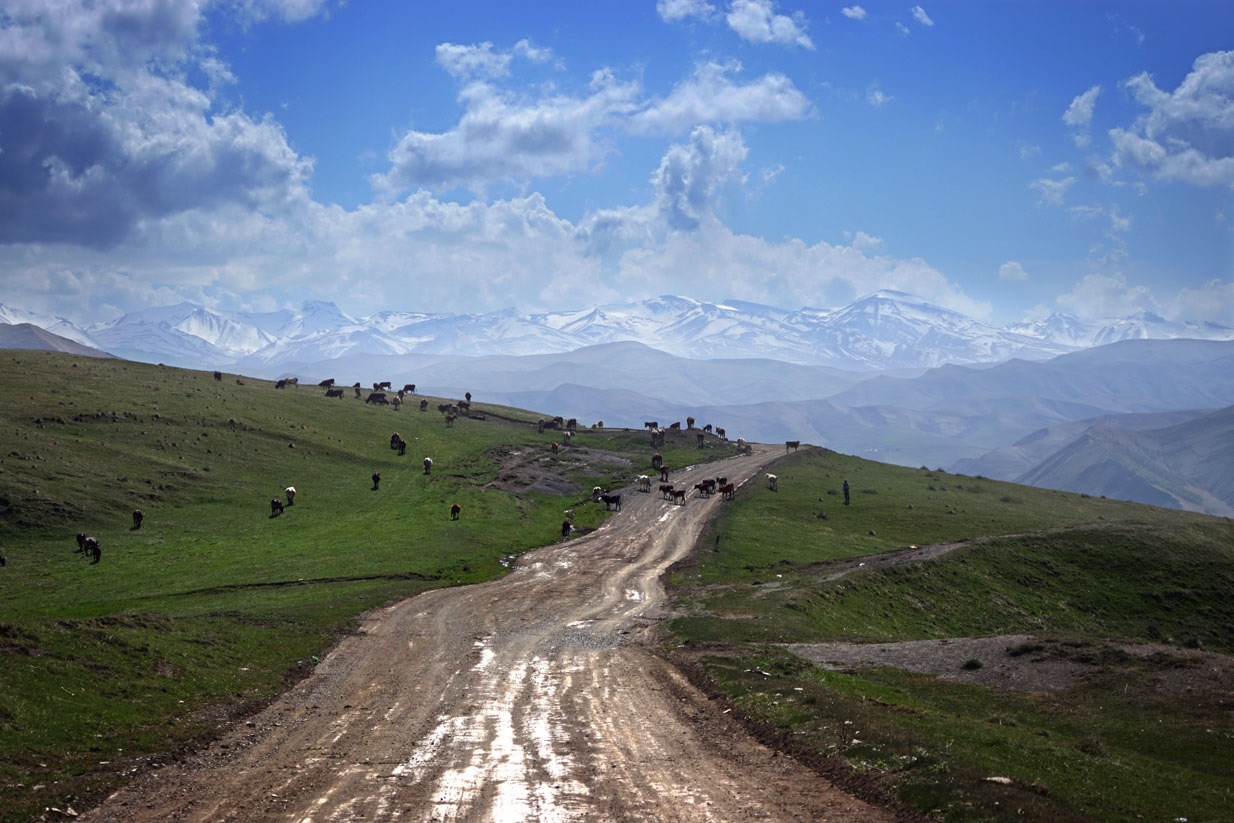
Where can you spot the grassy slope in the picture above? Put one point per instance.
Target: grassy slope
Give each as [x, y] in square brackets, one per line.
[1082, 570]
[106, 667]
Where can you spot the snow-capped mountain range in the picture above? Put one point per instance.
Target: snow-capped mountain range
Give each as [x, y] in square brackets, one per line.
[886, 329]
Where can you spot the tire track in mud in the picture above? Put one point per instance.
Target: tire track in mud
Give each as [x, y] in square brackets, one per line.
[530, 698]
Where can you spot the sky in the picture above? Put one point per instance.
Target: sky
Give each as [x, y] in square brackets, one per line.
[1005, 159]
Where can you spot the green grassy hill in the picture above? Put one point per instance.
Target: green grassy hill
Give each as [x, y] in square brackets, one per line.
[1124, 596]
[212, 604]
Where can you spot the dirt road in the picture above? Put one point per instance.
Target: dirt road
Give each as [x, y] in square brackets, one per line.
[531, 698]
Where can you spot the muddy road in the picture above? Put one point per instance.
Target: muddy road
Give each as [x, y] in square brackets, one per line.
[531, 698]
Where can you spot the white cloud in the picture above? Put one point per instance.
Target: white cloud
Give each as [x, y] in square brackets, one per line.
[1212, 302]
[1086, 212]
[710, 96]
[1011, 270]
[902, 29]
[919, 14]
[1079, 115]
[473, 61]
[1186, 135]
[670, 10]
[1102, 296]
[854, 12]
[756, 21]
[877, 99]
[1051, 191]
[1028, 150]
[1119, 222]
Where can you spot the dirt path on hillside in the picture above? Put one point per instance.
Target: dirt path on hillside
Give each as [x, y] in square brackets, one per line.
[531, 698]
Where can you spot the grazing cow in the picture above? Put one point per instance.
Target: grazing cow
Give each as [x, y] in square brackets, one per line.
[554, 447]
[611, 500]
[689, 422]
[92, 548]
[384, 384]
[656, 460]
[290, 494]
[428, 465]
[728, 491]
[394, 438]
[81, 542]
[218, 375]
[280, 384]
[376, 386]
[566, 528]
[707, 428]
[376, 480]
[666, 490]
[357, 388]
[651, 424]
[423, 405]
[596, 491]
[599, 424]
[773, 482]
[679, 496]
[327, 383]
[450, 418]
[378, 398]
[334, 392]
[741, 445]
[644, 483]
[464, 405]
[720, 434]
[572, 424]
[791, 444]
[398, 401]
[558, 422]
[664, 473]
[455, 510]
[676, 425]
[138, 516]
[410, 388]
[540, 425]
[239, 382]
[700, 439]
[567, 437]
[276, 507]
[402, 447]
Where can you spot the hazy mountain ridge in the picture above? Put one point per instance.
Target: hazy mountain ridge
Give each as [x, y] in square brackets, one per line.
[886, 329]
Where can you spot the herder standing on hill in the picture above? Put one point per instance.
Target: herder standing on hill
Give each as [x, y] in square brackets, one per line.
[845, 492]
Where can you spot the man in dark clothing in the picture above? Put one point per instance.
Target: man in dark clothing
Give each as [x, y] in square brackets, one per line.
[845, 492]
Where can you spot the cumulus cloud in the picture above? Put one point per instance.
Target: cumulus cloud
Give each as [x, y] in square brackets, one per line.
[1050, 191]
[902, 29]
[756, 21]
[854, 12]
[102, 131]
[1102, 296]
[481, 61]
[1212, 302]
[919, 14]
[689, 176]
[877, 99]
[1186, 135]
[1012, 270]
[1085, 212]
[1079, 115]
[670, 10]
[1118, 221]
[711, 96]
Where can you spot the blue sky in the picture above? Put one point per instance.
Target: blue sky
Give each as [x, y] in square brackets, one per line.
[1007, 159]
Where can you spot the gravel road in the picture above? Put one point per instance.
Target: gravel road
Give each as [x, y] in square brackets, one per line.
[530, 698]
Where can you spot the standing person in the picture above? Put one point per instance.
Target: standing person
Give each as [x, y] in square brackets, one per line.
[845, 492]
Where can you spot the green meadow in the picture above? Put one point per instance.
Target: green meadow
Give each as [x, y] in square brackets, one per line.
[214, 605]
[1137, 736]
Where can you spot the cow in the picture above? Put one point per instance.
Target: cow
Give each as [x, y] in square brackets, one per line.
[378, 398]
[567, 437]
[464, 405]
[423, 405]
[701, 488]
[327, 383]
[398, 401]
[791, 444]
[728, 491]
[218, 375]
[290, 494]
[707, 428]
[394, 438]
[281, 384]
[410, 388]
[276, 507]
[288, 381]
[467, 395]
[689, 422]
[656, 460]
[773, 482]
[402, 447]
[566, 528]
[572, 424]
[711, 485]
[664, 473]
[611, 500]
[700, 439]
[357, 388]
[334, 392]
[138, 516]
[384, 384]
[679, 496]
[376, 480]
[558, 422]
[450, 418]
[720, 481]
[676, 425]
[720, 434]
[92, 548]
[455, 510]
[428, 465]
[81, 542]
[599, 424]
[540, 425]
[644, 483]
[666, 490]
[651, 424]
[554, 448]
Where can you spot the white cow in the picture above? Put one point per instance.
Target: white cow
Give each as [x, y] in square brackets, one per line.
[644, 483]
[773, 482]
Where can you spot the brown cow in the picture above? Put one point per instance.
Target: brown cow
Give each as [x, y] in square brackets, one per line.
[689, 422]
[676, 425]
[455, 510]
[679, 496]
[138, 516]
[423, 405]
[410, 388]
[728, 491]
[791, 444]
[663, 473]
[334, 392]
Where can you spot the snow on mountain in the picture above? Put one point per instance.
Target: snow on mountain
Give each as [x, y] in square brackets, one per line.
[56, 325]
[886, 329]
